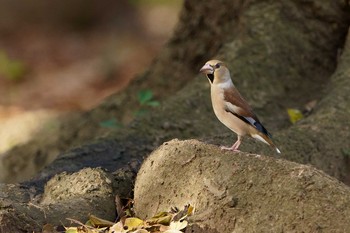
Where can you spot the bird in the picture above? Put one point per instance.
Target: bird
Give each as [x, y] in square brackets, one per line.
[231, 108]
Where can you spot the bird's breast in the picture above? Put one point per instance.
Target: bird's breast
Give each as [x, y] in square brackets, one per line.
[228, 119]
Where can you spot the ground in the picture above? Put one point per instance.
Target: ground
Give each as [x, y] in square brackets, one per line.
[68, 70]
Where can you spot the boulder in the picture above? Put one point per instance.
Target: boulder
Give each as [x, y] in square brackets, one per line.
[240, 192]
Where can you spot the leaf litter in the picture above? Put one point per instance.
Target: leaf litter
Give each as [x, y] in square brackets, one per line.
[173, 221]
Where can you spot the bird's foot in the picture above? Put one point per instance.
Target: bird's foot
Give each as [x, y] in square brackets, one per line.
[230, 148]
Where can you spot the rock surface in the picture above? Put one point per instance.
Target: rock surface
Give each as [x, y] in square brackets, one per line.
[75, 196]
[240, 192]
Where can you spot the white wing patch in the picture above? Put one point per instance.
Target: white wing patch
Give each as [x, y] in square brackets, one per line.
[232, 107]
[236, 109]
[251, 120]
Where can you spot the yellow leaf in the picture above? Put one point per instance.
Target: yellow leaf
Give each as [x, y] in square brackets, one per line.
[72, 230]
[190, 210]
[160, 214]
[294, 115]
[183, 214]
[99, 222]
[133, 223]
[160, 219]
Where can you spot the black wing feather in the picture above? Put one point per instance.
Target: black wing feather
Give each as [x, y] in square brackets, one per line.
[256, 124]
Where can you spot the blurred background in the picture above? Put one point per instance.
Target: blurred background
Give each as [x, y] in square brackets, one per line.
[60, 56]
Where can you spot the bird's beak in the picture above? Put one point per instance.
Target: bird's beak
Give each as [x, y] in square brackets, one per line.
[207, 69]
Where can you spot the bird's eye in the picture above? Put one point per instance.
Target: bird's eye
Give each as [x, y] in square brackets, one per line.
[217, 66]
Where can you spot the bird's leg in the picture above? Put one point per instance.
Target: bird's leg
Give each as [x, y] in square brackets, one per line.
[235, 145]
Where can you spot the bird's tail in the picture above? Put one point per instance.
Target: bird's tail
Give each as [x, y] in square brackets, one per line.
[266, 139]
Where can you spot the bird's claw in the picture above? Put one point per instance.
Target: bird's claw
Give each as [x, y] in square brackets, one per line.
[229, 148]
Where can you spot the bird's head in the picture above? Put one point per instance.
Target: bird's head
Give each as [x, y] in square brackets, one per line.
[216, 71]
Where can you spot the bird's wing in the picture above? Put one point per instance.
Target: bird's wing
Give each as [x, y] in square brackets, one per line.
[235, 104]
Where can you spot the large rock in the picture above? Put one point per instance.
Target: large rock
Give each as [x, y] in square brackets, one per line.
[76, 196]
[240, 192]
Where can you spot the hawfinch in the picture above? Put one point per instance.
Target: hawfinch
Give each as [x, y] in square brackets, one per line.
[230, 107]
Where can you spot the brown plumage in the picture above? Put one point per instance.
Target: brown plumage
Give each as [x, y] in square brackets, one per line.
[231, 108]
[235, 98]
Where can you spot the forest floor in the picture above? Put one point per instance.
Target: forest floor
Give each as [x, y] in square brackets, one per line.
[67, 71]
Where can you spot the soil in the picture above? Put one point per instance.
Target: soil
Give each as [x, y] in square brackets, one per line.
[71, 69]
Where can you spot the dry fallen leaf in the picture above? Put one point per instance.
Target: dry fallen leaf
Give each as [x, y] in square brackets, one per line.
[163, 218]
[117, 228]
[190, 210]
[172, 231]
[162, 222]
[99, 222]
[72, 230]
[294, 115]
[133, 223]
[178, 225]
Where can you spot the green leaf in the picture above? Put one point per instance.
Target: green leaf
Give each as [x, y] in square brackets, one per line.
[11, 69]
[112, 123]
[153, 103]
[144, 96]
